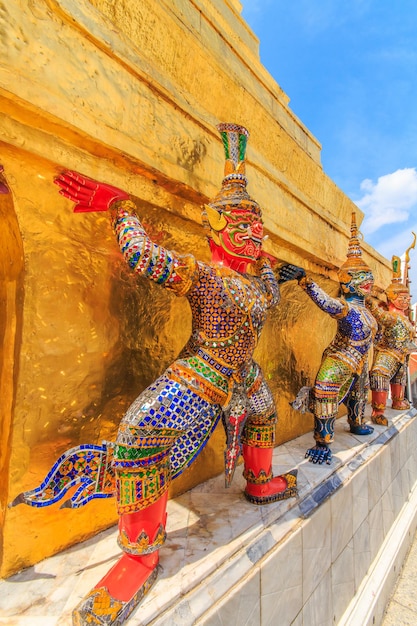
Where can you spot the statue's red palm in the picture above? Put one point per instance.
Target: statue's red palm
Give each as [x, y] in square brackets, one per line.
[88, 194]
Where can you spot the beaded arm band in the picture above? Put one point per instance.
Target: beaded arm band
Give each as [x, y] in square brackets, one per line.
[176, 272]
[267, 275]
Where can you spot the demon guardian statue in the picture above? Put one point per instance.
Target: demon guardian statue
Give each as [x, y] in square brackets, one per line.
[215, 377]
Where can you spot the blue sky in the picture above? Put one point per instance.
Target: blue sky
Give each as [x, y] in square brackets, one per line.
[350, 71]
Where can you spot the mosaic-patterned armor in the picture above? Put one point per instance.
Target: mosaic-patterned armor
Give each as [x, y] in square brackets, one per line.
[343, 373]
[393, 346]
[214, 377]
[214, 374]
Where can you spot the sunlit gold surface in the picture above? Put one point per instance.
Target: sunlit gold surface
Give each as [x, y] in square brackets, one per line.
[81, 337]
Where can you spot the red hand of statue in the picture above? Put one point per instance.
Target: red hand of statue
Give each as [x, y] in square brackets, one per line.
[88, 194]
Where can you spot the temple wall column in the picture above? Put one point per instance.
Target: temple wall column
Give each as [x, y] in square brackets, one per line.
[130, 93]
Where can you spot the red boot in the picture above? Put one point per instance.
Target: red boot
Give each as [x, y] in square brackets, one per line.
[379, 402]
[118, 593]
[261, 487]
[399, 403]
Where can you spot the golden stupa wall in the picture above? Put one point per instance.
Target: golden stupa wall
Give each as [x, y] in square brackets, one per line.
[130, 92]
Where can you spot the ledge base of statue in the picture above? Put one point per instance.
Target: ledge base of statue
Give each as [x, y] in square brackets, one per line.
[323, 557]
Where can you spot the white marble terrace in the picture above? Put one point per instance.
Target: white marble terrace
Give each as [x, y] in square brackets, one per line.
[329, 556]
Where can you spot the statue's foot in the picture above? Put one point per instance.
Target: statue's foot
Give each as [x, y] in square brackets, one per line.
[400, 405]
[361, 429]
[380, 419]
[320, 454]
[114, 598]
[276, 489]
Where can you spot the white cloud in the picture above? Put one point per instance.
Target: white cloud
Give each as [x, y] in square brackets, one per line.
[389, 200]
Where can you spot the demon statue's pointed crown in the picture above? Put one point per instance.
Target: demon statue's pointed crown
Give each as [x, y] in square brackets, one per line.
[354, 262]
[233, 220]
[400, 280]
[233, 194]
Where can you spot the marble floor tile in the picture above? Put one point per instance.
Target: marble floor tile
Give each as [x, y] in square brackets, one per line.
[361, 552]
[395, 455]
[318, 609]
[316, 541]
[388, 513]
[281, 583]
[343, 581]
[374, 481]
[242, 609]
[341, 507]
[360, 499]
[376, 528]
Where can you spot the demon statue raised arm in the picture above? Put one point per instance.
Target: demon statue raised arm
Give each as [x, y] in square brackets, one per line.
[343, 373]
[393, 345]
[214, 377]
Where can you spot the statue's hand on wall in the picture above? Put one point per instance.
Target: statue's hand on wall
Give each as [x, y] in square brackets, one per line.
[290, 272]
[88, 194]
